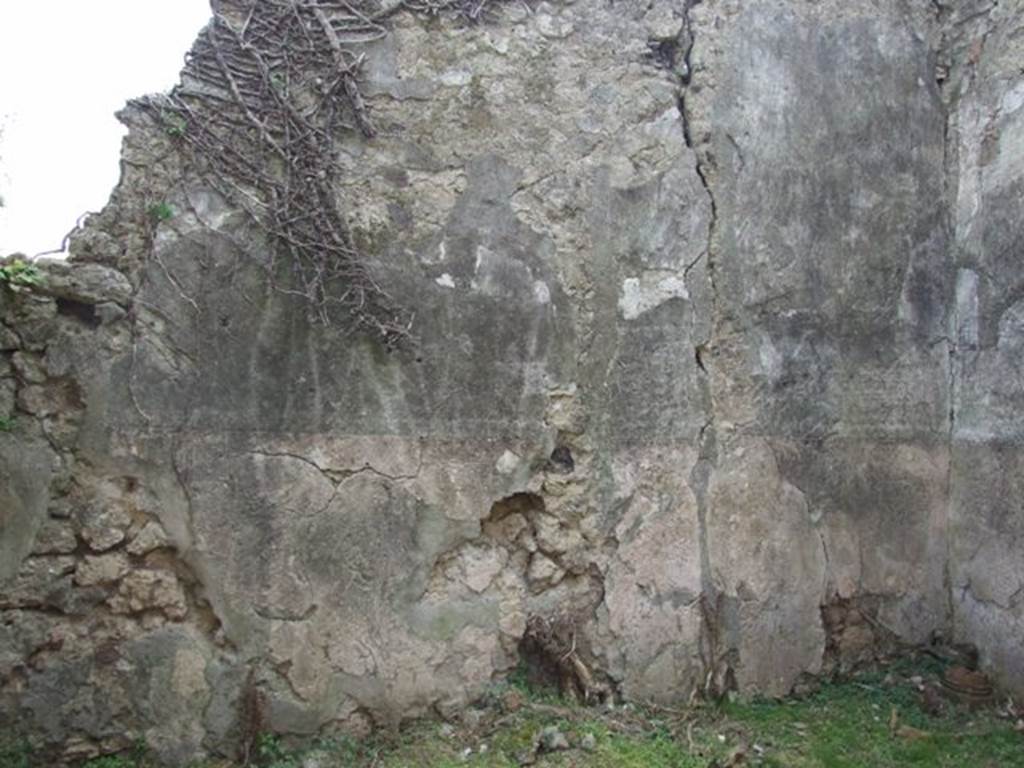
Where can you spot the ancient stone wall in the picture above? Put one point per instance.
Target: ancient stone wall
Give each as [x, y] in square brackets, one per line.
[716, 328]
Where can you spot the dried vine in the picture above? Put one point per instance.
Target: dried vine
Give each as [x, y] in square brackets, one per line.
[266, 93]
[553, 642]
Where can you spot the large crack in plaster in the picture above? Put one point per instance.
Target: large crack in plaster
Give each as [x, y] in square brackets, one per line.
[711, 652]
[955, 80]
[336, 476]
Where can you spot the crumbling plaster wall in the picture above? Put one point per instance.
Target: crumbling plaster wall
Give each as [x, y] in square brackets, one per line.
[715, 355]
[986, 160]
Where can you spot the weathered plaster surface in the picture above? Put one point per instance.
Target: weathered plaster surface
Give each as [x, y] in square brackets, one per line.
[986, 164]
[717, 320]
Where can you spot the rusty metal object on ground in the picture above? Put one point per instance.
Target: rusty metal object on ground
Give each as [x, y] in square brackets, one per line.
[967, 686]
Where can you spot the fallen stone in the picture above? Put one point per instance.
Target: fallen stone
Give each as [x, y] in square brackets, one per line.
[513, 700]
[472, 718]
[526, 756]
[318, 758]
[553, 740]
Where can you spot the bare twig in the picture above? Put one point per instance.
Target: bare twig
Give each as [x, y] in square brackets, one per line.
[265, 93]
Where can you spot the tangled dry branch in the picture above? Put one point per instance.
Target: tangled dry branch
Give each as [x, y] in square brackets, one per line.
[267, 91]
[554, 641]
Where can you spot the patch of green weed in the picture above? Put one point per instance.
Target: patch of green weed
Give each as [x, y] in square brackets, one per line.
[161, 212]
[847, 725]
[111, 761]
[15, 753]
[842, 725]
[174, 124]
[18, 273]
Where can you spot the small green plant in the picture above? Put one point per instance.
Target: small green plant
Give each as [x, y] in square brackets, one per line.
[111, 761]
[161, 212]
[270, 753]
[19, 273]
[15, 754]
[174, 125]
[6, 425]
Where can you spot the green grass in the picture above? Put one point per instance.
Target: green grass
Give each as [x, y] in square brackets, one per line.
[14, 754]
[113, 761]
[843, 725]
[847, 726]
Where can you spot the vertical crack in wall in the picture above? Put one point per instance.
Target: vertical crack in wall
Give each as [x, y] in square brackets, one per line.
[952, 373]
[941, 61]
[955, 65]
[712, 639]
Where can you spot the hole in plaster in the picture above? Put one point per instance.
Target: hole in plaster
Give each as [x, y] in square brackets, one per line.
[562, 461]
[855, 636]
[80, 311]
[553, 654]
[524, 504]
[664, 52]
[698, 355]
[538, 667]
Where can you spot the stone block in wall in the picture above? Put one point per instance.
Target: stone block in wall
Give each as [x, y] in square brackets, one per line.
[150, 590]
[35, 317]
[26, 467]
[8, 339]
[7, 398]
[56, 537]
[84, 283]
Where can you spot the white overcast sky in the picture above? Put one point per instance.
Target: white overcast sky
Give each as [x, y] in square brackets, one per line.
[65, 67]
